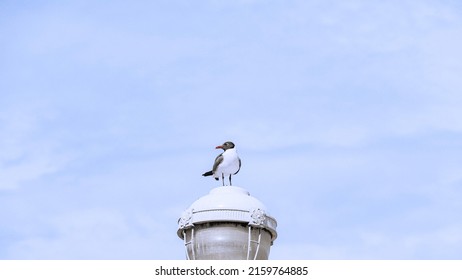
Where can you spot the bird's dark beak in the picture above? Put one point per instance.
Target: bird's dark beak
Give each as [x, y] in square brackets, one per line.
[219, 147]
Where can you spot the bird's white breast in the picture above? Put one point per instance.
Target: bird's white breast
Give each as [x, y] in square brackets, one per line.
[230, 163]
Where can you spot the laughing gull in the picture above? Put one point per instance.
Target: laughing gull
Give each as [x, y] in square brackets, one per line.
[226, 163]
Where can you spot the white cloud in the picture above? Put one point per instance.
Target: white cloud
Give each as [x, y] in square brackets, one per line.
[436, 243]
[28, 170]
[26, 153]
[100, 234]
[306, 251]
[333, 106]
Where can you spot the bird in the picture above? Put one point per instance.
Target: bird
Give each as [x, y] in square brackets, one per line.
[227, 163]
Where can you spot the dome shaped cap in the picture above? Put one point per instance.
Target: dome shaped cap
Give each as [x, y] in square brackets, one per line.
[228, 204]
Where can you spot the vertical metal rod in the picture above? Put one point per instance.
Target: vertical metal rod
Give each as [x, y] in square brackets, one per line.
[185, 245]
[192, 244]
[248, 242]
[258, 244]
[189, 243]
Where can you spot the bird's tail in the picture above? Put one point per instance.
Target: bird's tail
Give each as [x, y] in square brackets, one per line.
[208, 173]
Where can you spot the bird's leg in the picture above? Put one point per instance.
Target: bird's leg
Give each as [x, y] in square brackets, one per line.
[223, 179]
[230, 180]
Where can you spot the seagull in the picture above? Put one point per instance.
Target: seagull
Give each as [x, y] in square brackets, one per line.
[226, 163]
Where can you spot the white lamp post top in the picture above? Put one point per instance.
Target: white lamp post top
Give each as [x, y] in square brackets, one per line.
[228, 204]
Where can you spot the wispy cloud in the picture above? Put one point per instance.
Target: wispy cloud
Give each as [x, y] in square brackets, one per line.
[112, 234]
[27, 154]
[349, 110]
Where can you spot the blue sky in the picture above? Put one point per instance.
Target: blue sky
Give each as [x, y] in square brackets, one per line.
[347, 116]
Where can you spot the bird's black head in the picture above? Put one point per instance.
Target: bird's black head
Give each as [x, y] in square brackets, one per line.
[226, 145]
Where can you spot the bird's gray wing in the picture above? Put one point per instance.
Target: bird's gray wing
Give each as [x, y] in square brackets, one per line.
[217, 162]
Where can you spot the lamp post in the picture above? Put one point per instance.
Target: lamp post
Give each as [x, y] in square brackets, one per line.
[227, 224]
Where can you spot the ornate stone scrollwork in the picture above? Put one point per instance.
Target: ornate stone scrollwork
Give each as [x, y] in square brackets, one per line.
[186, 219]
[257, 217]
